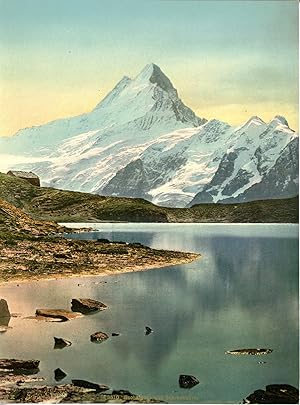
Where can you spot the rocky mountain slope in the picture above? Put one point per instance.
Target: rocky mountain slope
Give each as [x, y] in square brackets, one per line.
[142, 141]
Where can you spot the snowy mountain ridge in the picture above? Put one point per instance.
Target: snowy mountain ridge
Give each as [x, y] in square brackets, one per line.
[142, 141]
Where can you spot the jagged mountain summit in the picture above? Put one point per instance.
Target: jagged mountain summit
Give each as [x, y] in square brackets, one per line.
[141, 140]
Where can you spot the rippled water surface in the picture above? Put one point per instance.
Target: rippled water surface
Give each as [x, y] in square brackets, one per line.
[242, 292]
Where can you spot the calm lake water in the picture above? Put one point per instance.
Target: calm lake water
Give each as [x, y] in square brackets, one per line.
[242, 293]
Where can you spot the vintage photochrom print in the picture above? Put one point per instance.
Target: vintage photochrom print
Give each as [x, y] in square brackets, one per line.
[149, 201]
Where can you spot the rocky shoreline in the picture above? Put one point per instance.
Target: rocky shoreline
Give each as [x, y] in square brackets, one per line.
[26, 258]
[34, 250]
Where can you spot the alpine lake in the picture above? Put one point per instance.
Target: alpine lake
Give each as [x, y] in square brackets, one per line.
[241, 293]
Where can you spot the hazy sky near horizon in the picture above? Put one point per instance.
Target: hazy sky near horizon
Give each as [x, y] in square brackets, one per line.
[228, 59]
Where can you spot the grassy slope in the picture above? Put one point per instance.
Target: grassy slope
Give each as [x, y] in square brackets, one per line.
[61, 205]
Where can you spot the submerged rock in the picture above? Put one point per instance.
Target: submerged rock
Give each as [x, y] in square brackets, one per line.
[87, 305]
[59, 374]
[60, 343]
[122, 392]
[14, 364]
[99, 337]
[187, 381]
[61, 314]
[274, 394]
[251, 352]
[90, 385]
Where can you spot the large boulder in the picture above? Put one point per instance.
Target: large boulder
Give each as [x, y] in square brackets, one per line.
[87, 305]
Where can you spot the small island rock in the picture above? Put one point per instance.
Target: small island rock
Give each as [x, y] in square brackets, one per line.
[87, 305]
[61, 314]
[60, 343]
[187, 381]
[99, 337]
[59, 374]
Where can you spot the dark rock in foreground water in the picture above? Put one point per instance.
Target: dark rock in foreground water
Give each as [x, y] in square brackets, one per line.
[59, 374]
[90, 385]
[274, 394]
[4, 311]
[60, 343]
[14, 364]
[87, 305]
[251, 352]
[187, 381]
[99, 337]
[148, 330]
[61, 314]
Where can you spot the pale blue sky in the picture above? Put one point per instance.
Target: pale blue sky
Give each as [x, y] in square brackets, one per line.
[228, 59]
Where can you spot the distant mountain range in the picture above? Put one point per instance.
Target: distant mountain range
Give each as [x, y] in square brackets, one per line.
[141, 140]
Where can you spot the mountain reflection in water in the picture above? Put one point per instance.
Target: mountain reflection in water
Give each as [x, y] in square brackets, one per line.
[242, 292]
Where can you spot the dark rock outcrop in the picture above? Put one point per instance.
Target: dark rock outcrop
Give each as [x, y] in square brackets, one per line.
[60, 343]
[59, 374]
[87, 305]
[4, 311]
[187, 381]
[99, 337]
[274, 394]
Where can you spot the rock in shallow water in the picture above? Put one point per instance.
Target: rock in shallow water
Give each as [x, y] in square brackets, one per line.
[251, 352]
[61, 314]
[90, 385]
[59, 374]
[187, 381]
[87, 305]
[60, 343]
[274, 394]
[148, 330]
[4, 311]
[99, 337]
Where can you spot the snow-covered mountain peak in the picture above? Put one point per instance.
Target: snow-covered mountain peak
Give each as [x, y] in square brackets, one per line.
[279, 120]
[153, 74]
[254, 120]
[119, 87]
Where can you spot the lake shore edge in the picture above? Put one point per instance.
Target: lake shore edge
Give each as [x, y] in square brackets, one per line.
[103, 273]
